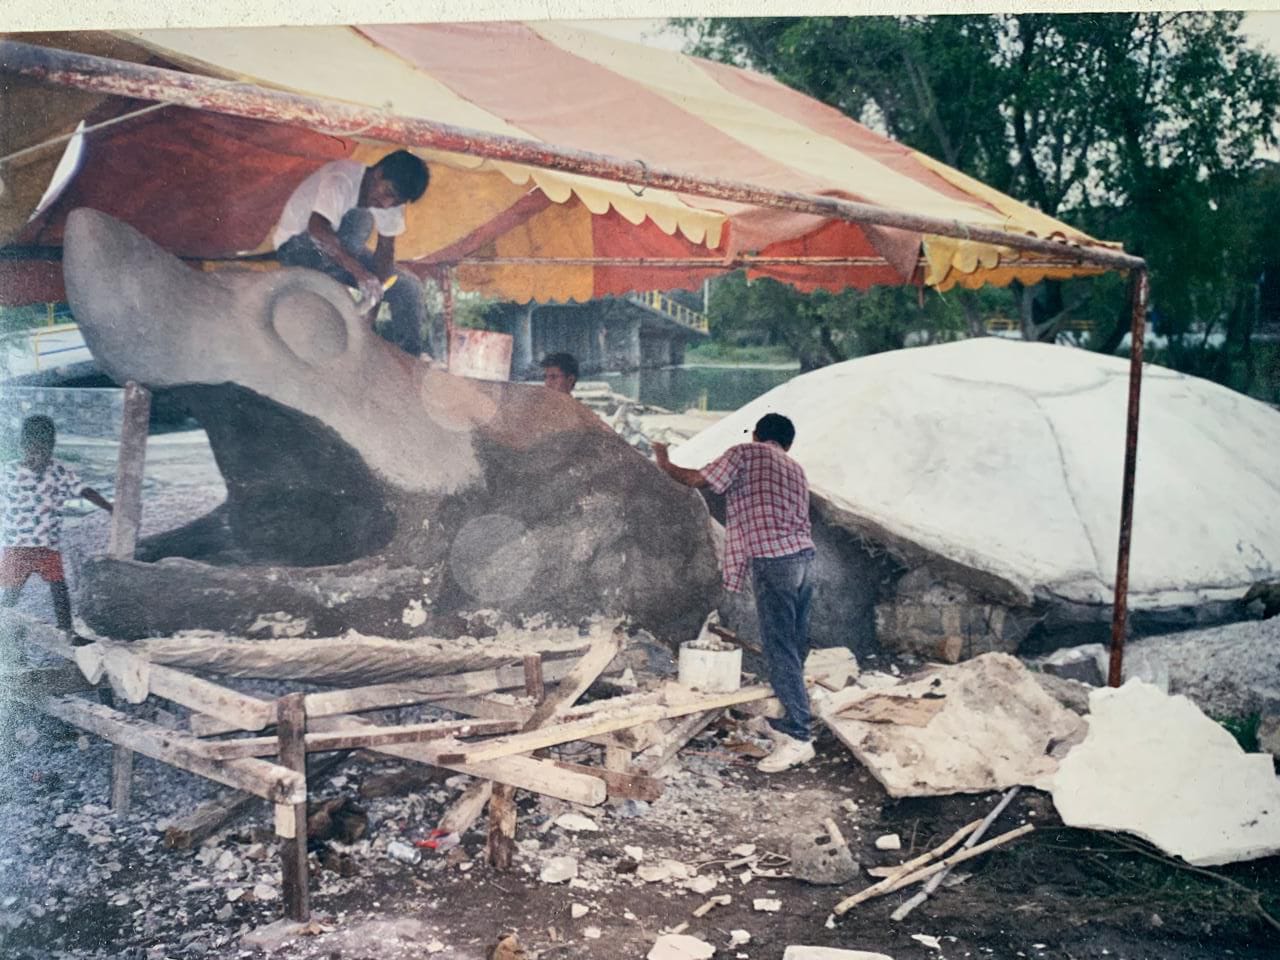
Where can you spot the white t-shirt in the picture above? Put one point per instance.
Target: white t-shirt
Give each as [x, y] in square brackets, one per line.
[331, 191]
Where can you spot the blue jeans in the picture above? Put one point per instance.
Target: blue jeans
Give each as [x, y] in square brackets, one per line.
[784, 589]
[406, 298]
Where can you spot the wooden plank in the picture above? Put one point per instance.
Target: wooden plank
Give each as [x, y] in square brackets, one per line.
[126, 517]
[291, 727]
[617, 759]
[629, 785]
[121, 781]
[635, 738]
[602, 722]
[583, 673]
[656, 757]
[135, 677]
[258, 777]
[191, 830]
[467, 808]
[357, 740]
[501, 845]
[384, 695]
[523, 772]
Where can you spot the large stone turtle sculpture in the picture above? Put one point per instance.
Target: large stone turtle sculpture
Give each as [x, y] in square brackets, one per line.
[365, 489]
[991, 469]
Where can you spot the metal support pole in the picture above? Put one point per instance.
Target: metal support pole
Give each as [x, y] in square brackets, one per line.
[446, 291]
[126, 79]
[1120, 611]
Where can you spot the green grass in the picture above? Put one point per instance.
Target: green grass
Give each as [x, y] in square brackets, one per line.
[713, 352]
[1244, 729]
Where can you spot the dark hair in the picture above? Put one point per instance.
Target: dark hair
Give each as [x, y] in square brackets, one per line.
[38, 430]
[776, 427]
[565, 362]
[407, 173]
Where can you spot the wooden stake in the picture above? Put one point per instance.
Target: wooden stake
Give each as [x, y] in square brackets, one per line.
[291, 725]
[126, 517]
[533, 679]
[501, 846]
[121, 780]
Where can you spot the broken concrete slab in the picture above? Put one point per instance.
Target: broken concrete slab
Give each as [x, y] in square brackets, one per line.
[796, 952]
[994, 730]
[680, 946]
[817, 858]
[1156, 766]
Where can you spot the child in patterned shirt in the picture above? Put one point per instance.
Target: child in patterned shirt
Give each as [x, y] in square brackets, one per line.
[33, 491]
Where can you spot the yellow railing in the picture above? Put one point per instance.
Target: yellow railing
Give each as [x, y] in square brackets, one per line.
[678, 312]
[34, 335]
[1006, 325]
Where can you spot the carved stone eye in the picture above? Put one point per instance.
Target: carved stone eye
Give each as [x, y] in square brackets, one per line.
[309, 324]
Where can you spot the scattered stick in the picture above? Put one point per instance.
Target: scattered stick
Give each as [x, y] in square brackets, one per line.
[723, 900]
[974, 837]
[467, 808]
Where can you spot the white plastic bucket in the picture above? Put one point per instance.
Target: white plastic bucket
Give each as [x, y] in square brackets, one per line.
[710, 669]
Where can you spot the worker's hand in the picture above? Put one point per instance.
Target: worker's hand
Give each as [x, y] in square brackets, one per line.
[370, 292]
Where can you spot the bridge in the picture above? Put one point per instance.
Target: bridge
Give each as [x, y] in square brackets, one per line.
[616, 333]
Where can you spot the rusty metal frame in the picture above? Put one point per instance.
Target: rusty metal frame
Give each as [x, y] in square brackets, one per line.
[142, 82]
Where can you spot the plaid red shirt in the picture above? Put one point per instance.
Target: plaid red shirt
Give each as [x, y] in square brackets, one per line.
[767, 508]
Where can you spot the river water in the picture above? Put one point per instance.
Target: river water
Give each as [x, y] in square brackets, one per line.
[677, 389]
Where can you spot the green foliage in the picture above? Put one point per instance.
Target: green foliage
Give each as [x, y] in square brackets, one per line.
[1137, 127]
[1244, 729]
[715, 351]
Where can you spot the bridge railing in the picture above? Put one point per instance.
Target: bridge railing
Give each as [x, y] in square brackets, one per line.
[655, 300]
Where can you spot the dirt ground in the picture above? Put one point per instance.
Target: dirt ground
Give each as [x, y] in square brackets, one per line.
[76, 882]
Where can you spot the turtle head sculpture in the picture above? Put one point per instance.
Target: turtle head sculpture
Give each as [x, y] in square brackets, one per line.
[366, 489]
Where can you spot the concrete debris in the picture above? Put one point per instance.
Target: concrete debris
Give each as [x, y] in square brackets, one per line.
[592, 933]
[968, 747]
[579, 910]
[680, 946]
[558, 870]
[1155, 765]
[702, 885]
[743, 850]
[890, 841]
[817, 858]
[737, 938]
[577, 823]
[932, 943]
[766, 905]
[662, 870]
[830, 953]
[634, 852]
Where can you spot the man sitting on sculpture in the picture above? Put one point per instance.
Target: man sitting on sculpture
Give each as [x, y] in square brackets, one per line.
[326, 223]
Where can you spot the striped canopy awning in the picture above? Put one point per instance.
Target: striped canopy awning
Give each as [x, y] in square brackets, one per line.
[211, 187]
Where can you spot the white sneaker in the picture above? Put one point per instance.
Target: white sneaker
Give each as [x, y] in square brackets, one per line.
[788, 752]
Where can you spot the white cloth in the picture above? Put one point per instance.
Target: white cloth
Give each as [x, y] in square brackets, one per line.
[33, 502]
[331, 191]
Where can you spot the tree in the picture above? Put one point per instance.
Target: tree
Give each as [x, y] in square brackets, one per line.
[1136, 126]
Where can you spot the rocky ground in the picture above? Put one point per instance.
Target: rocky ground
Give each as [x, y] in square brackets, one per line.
[76, 881]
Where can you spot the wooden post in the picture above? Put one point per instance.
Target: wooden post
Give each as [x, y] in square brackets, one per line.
[446, 292]
[126, 518]
[121, 780]
[533, 681]
[291, 819]
[501, 845]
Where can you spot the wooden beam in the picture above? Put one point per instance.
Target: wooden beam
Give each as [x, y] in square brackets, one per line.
[291, 727]
[583, 673]
[191, 830]
[622, 785]
[500, 847]
[535, 678]
[523, 772]
[602, 722]
[357, 740]
[384, 695]
[258, 777]
[656, 757]
[134, 677]
[126, 517]
[121, 781]
[634, 738]
[467, 808]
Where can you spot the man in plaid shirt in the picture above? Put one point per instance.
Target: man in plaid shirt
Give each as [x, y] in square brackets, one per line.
[767, 532]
